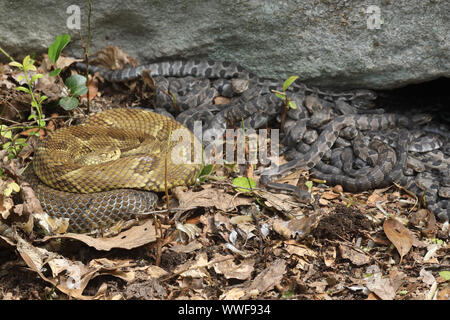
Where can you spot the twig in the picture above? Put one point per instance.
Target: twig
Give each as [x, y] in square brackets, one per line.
[86, 48]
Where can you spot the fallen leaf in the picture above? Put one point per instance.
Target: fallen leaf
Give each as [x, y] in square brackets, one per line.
[132, 238]
[6, 203]
[329, 256]
[356, 257]
[155, 272]
[330, 195]
[444, 294]
[113, 58]
[221, 100]
[297, 228]
[93, 89]
[209, 197]
[186, 248]
[399, 236]
[194, 269]
[281, 202]
[268, 278]
[231, 270]
[382, 287]
[233, 294]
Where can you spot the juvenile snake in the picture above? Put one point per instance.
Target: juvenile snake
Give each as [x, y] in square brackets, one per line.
[327, 112]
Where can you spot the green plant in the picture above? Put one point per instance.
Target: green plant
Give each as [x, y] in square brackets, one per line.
[28, 67]
[288, 103]
[14, 143]
[75, 83]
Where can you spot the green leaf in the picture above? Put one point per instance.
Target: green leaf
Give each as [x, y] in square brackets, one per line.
[244, 182]
[55, 72]
[41, 99]
[76, 85]
[282, 96]
[68, 103]
[206, 170]
[309, 184]
[288, 294]
[79, 91]
[30, 67]
[28, 64]
[20, 141]
[41, 123]
[6, 145]
[20, 77]
[292, 105]
[35, 133]
[14, 186]
[23, 89]
[10, 188]
[56, 47]
[288, 82]
[16, 64]
[445, 275]
[36, 76]
[27, 61]
[5, 133]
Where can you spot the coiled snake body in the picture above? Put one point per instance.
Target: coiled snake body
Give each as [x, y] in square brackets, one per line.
[316, 126]
[96, 167]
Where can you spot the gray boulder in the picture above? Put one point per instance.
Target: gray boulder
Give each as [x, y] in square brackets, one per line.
[374, 44]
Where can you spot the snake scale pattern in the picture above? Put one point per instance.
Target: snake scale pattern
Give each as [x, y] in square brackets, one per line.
[339, 136]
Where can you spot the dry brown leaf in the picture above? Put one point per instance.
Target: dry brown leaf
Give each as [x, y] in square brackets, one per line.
[186, 248]
[62, 62]
[382, 287]
[70, 277]
[222, 100]
[113, 58]
[297, 228]
[374, 198]
[233, 294]
[329, 256]
[93, 89]
[330, 195]
[230, 270]
[209, 197]
[281, 202]
[31, 203]
[399, 236]
[298, 249]
[241, 219]
[6, 203]
[444, 294]
[356, 257]
[50, 86]
[134, 237]
[194, 269]
[155, 272]
[268, 278]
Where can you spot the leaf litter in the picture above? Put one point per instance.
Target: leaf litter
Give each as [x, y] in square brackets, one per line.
[216, 242]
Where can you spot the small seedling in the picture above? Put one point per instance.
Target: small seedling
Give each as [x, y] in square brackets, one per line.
[75, 83]
[288, 103]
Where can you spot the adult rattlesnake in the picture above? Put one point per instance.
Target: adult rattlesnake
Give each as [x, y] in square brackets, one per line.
[124, 149]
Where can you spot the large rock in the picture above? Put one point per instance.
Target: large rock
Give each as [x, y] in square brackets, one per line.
[328, 43]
